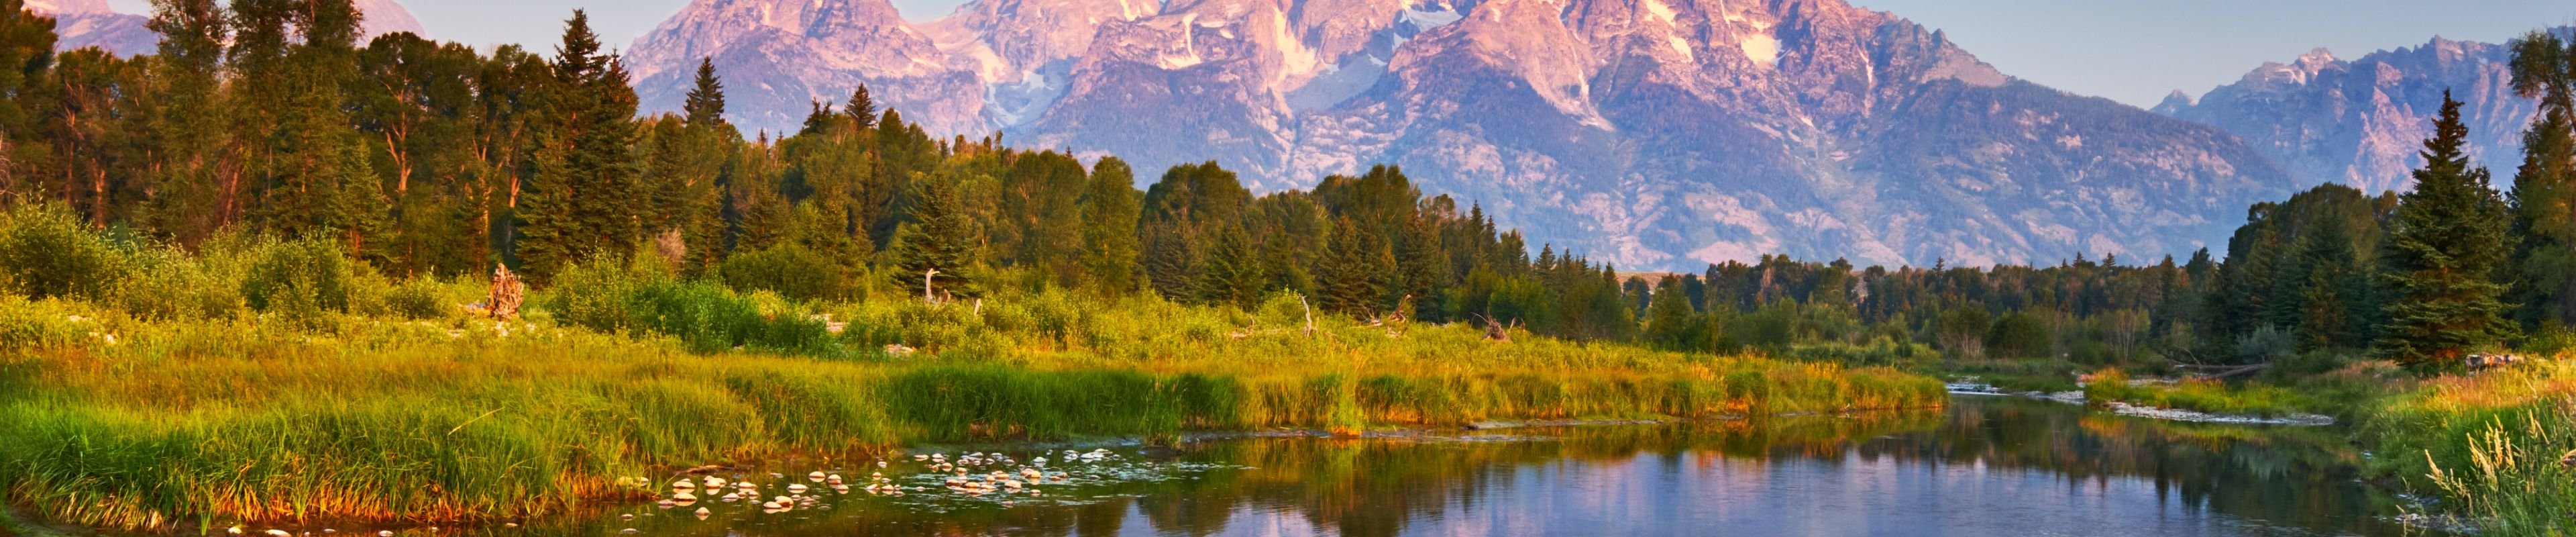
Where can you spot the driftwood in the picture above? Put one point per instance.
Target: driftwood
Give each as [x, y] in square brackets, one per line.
[1494, 330]
[507, 293]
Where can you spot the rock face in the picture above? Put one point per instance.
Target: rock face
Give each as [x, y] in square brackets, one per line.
[91, 23]
[1649, 133]
[779, 57]
[2360, 122]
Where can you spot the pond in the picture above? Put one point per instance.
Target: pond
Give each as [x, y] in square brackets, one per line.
[1984, 466]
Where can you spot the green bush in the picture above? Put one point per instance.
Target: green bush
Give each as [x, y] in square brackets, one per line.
[599, 296]
[789, 270]
[44, 253]
[300, 280]
[2020, 335]
[165, 284]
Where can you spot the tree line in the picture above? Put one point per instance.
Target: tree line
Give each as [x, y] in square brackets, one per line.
[431, 159]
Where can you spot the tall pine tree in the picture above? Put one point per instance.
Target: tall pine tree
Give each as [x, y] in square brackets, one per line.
[586, 198]
[2447, 241]
[706, 100]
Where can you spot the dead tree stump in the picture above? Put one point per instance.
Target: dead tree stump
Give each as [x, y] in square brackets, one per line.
[507, 293]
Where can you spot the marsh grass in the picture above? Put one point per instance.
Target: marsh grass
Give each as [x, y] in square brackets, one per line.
[2219, 397]
[109, 420]
[2496, 445]
[142, 388]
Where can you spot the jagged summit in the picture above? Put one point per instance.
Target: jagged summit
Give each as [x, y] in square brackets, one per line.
[2360, 122]
[1649, 133]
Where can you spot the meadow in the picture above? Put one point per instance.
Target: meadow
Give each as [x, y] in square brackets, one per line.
[142, 388]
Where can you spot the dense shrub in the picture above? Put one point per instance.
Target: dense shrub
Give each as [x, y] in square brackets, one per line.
[299, 280]
[704, 316]
[789, 270]
[166, 284]
[2020, 335]
[44, 253]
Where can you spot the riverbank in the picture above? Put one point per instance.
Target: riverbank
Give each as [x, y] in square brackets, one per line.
[111, 421]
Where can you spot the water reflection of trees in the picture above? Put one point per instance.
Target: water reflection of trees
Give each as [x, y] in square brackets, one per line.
[1376, 487]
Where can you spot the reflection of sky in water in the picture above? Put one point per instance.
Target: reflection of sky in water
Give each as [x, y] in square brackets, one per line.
[1702, 493]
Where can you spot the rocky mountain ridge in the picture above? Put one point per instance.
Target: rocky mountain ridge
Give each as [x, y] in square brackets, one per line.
[1648, 133]
[2361, 121]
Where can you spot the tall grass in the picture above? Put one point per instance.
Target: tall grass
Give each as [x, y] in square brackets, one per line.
[2113, 385]
[2499, 446]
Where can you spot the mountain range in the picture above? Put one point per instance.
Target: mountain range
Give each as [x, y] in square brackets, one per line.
[1654, 134]
[1648, 133]
[2360, 122]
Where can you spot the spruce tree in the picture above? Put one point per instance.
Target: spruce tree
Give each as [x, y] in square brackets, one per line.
[1109, 206]
[2445, 246]
[1231, 275]
[1358, 270]
[706, 100]
[940, 238]
[586, 199]
[862, 108]
[2327, 292]
[1671, 324]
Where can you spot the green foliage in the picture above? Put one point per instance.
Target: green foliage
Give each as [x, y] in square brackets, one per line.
[2544, 186]
[44, 253]
[939, 243]
[300, 281]
[789, 270]
[2021, 335]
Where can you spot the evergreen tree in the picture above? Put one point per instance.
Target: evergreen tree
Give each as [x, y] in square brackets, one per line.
[1231, 274]
[862, 108]
[2328, 291]
[1109, 207]
[2445, 246]
[1671, 324]
[940, 238]
[586, 199]
[706, 100]
[1358, 272]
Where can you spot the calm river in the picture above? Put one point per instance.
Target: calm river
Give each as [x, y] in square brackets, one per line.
[1983, 467]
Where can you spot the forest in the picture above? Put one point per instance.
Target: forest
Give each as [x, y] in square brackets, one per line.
[266, 169]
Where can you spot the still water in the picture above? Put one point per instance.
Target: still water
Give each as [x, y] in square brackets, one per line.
[1983, 467]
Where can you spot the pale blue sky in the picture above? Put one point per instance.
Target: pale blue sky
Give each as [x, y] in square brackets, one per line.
[2133, 51]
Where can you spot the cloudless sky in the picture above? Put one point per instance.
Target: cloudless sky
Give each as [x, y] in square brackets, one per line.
[2134, 51]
